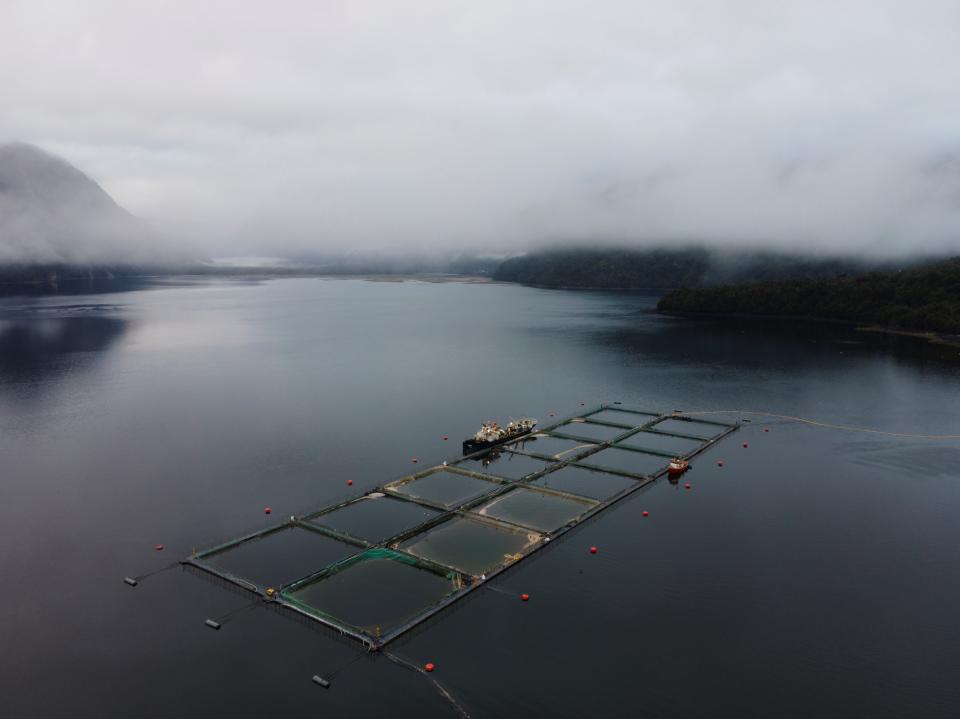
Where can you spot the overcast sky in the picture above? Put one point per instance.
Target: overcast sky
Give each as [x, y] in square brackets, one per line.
[263, 127]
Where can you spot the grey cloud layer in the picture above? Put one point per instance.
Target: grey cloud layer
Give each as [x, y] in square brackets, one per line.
[271, 127]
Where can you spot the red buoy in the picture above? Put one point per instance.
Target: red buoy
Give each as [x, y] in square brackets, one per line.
[765, 429]
[646, 513]
[267, 510]
[719, 462]
[445, 438]
[429, 666]
[159, 547]
[414, 460]
[551, 414]
[686, 486]
[582, 404]
[525, 597]
[349, 482]
[745, 445]
[593, 550]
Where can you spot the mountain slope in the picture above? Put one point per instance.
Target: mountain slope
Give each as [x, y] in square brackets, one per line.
[51, 213]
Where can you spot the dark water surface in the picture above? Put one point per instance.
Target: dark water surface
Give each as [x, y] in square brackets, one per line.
[816, 574]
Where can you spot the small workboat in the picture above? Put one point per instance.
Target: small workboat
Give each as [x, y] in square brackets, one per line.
[677, 467]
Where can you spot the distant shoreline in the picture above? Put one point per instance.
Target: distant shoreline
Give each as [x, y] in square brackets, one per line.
[248, 273]
[584, 288]
[940, 338]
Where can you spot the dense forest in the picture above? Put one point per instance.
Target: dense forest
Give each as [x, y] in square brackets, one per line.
[924, 298]
[609, 268]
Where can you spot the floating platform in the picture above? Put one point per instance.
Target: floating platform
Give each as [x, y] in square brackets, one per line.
[377, 565]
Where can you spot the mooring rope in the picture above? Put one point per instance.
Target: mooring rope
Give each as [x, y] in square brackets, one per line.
[141, 577]
[231, 614]
[499, 590]
[828, 425]
[437, 685]
[358, 657]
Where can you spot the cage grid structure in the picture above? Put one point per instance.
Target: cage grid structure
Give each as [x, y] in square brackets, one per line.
[376, 565]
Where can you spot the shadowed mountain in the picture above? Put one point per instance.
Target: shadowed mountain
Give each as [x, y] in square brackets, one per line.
[58, 223]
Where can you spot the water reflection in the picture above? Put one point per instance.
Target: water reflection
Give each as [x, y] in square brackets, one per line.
[760, 342]
[80, 286]
[36, 349]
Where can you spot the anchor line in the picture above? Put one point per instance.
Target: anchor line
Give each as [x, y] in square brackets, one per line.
[346, 664]
[461, 712]
[828, 425]
[499, 590]
[231, 614]
[141, 577]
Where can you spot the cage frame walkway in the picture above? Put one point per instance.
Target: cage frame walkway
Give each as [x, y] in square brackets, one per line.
[463, 582]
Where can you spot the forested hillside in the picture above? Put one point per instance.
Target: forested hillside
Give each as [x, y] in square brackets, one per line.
[925, 298]
[666, 268]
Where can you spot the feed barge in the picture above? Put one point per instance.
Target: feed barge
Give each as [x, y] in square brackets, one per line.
[492, 434]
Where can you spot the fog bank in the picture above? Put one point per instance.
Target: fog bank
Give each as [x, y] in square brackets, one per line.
[294, 127]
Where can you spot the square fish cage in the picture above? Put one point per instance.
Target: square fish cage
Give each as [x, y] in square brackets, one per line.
[505, 465]
[660, 443]
[625, 417]
[584, 429]
[375, 595]
[634, 462]
[589, 483]
[537, 509]
[374, 517]
[697, 429]
[554, 448]
[278, 557]
[444, 488]
[472, 545]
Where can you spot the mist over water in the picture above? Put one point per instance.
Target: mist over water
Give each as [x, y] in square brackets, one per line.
[295, 129]
[809, 572]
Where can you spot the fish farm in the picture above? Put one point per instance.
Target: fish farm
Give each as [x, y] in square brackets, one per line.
[376, 565]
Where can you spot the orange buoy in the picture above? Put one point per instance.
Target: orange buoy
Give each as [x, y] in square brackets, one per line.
[429, 666]
[159, 547]
[686, 486]
[267, 510]
[593, 550]
[646, 513]
[349, 482]
[525, 597]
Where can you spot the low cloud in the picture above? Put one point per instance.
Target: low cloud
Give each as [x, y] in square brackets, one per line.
[303, 127]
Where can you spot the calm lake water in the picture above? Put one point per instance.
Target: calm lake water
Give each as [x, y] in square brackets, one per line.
[816, 574]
